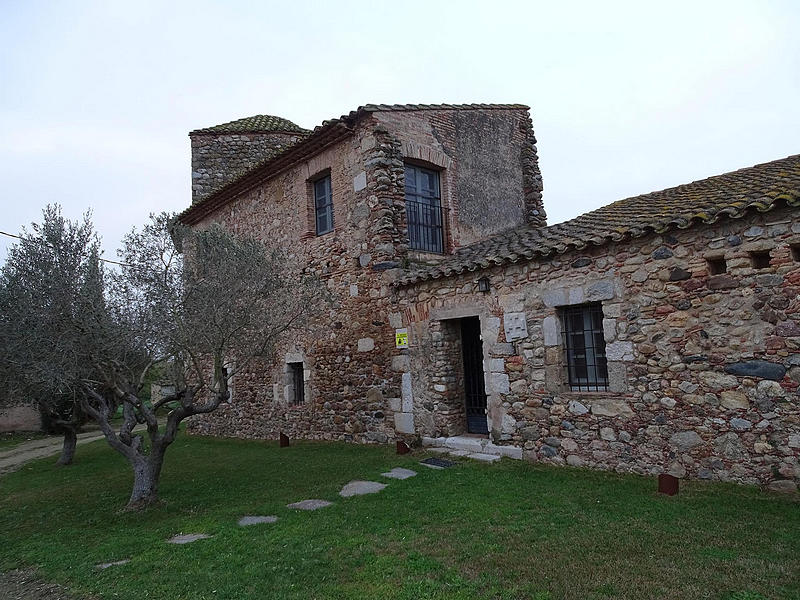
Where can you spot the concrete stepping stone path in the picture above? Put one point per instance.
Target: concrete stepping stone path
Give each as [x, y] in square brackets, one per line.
[187, 538]
[399, 473]
[359, 488]
[312, 504]
[256, 520]
[116, 563]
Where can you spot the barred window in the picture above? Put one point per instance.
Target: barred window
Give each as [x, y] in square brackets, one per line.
[323, 205]
[424, 209]
[585, 348]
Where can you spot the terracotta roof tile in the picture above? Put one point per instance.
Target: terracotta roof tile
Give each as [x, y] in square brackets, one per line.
[760, 188]
[254, 124]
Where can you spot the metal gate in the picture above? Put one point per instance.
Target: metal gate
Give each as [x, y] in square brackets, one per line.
[474, 388]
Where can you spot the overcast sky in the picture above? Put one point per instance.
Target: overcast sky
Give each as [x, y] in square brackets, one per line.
[96, 98]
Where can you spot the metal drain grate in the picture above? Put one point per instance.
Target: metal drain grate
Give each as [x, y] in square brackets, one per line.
[441, 463]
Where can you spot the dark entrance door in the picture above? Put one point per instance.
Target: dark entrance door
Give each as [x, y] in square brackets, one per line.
[474, 388]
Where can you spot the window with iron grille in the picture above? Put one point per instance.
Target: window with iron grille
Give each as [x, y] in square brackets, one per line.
[585, 348]
[323, 205]
[424, 209]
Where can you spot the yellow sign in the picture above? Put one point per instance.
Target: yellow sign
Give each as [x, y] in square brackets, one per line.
[401, 338]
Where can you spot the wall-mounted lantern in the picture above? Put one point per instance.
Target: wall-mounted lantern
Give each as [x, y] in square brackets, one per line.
[483, 285]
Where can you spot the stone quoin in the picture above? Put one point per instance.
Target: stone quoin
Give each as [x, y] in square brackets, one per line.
[658, 334]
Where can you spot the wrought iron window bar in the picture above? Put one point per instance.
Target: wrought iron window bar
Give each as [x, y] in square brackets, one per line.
[425, 226]
[585, 348]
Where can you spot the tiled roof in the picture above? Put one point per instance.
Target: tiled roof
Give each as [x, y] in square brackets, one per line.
[731, 195]
[323, 135]
[254, 124]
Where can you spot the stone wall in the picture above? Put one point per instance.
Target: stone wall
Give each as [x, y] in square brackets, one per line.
[218, 159]
[704, 369]
[490, 175]
[16, 415]
[355, 387]
[344, 354]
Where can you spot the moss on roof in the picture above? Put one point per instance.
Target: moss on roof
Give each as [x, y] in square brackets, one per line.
[254, 124]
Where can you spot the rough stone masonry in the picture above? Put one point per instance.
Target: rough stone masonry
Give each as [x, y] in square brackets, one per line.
[687, 302]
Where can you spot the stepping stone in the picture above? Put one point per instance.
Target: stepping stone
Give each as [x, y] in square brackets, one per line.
[116, 563]
[187, 538]
[488, 458]
[399, 473]
[253, 520]
[460, 453]
[312, 504]
[437, 463]
[359, 488]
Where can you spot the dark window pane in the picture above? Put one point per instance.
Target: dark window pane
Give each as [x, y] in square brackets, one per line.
[423, 209]
[585, 348]
[411, 179]
[323, 203]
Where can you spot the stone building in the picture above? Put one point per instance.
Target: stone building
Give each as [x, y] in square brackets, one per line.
[658, 333]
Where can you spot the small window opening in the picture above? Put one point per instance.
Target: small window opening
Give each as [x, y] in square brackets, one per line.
[297, 384]
[760, 259]
[323, 205]
[795, 249]
[717, 266]
[226, 374]
[585, 348]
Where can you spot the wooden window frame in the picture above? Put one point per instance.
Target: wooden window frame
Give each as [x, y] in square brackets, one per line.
[425, 214]
[327, 203]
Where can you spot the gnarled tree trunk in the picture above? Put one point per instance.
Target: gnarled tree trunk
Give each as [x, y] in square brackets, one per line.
[68, 449]
[146, 473]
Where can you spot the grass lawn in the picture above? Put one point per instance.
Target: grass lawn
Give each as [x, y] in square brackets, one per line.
[504, 531]
[11, 439]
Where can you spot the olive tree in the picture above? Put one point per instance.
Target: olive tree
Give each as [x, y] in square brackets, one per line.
[202, 304]
[51, 277]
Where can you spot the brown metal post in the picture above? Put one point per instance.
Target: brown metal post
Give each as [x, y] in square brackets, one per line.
[284, 440]
[667, 484]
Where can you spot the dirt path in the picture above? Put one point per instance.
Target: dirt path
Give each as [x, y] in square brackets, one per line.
[24, 585]
[13, 459]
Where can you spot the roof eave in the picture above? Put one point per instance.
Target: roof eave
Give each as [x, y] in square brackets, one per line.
[788, 201]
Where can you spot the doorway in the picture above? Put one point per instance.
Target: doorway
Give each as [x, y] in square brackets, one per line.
[474, 385]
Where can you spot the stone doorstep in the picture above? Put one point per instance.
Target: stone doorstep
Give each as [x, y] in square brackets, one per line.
[458, 452]
[470, 445]
[488, 458]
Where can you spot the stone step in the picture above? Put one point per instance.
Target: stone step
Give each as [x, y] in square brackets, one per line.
[472, 445]
[488, 458]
